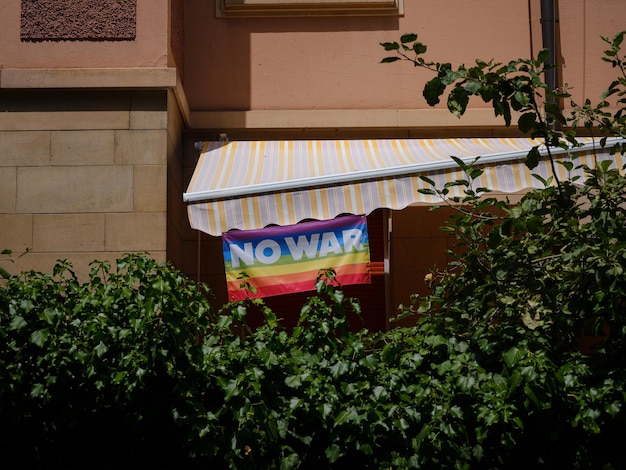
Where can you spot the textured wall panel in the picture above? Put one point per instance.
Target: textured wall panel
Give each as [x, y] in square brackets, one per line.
[86, 20]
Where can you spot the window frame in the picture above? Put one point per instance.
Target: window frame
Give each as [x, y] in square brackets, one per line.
[309, 8]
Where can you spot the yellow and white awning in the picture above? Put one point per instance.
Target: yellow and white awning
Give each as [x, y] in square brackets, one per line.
[252, 184]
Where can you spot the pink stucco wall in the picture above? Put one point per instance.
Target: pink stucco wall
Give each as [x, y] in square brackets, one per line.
[333, 63]
[327, 63]
[581, 23]
[148, 49]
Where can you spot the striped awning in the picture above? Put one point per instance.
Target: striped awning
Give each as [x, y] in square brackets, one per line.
[252, 184]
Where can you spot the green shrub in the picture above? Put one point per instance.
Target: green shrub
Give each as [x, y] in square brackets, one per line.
[92, 373]
[528, 285]
[133, 368]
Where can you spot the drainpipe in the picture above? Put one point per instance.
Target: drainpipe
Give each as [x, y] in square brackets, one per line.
[548, 34]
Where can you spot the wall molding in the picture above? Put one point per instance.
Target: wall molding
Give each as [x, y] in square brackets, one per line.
[137, 77]
[343, 119]
[143, 78]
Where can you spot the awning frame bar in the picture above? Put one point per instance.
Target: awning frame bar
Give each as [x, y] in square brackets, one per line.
[378, 173]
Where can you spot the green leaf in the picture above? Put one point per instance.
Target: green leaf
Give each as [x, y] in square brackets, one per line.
[419, 48]
[390, 46]
[613, 408]
[543, 55]
[605, 165]
[339, 369]
[430, 192]
[224, 322]
[462, 165]
[119, 376]
[465, 382]
[293, 381]
[37, 390]
[17, 322]
[529, 373]
[241, 312]
[370, 361]
[473, 87]
[545, 182]
[457, 101]
[474, 174]
[50, 314]
[230, 388]
[408, 37]
[345, 416]
[451, 184]
[529, 392]
[379, 392]
[533, 158]
[487, 415]
[526, 122]
[427, 180]
[295, 402]
[39, 337]
[515, 379]
[325, 410]
[513, 356]
[520, 100]
[433, 90]
[333, 453]
[554, 110]
[388, 60]
[290, 462]
[101, 349]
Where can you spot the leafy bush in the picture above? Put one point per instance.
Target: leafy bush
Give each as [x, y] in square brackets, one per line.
[133, 368]
[537, 292]
[541, 285]
[94, 371]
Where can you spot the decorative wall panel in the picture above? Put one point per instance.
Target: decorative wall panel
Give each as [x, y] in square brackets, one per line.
[78, 20]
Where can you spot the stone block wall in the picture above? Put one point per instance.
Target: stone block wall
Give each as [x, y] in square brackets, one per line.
[83, 175]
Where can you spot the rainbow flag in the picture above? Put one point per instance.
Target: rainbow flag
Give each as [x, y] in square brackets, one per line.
[287, 259]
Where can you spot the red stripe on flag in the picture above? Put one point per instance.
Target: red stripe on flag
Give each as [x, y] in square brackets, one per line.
[268, 286]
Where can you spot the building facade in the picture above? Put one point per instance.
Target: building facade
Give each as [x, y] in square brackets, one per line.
[103, 101]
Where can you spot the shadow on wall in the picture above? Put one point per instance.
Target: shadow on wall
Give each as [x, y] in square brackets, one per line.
[218, 54]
